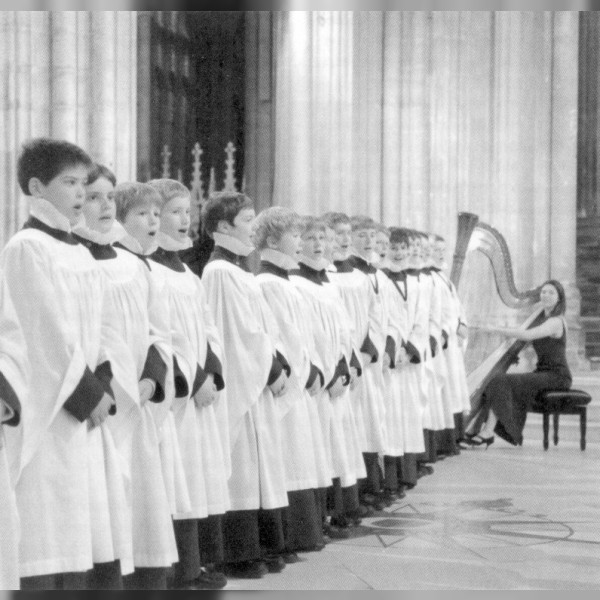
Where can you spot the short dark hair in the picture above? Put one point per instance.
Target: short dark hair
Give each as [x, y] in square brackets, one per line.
[99, 171]
[311, 223]
[335, 218]
[223, 206]
[400, 235]
[561, 305]
[45, 158]
[358, 222]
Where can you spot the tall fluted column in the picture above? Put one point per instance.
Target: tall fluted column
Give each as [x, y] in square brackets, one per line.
[69, 75]
[563, 186]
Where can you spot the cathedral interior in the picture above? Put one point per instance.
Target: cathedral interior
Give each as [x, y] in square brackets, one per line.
[410, 118]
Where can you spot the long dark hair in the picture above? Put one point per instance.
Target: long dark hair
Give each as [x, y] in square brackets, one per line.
[561, 305]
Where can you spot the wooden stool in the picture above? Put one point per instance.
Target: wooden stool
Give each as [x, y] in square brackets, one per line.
[562, 402]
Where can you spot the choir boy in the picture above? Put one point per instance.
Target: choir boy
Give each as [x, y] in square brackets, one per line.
[197, 350]
[334, 346]
[14, 374]
[457, 333]
[405, 282]
[138, 344]
[256, 375]
[439, 419]
[57, 291]
[305, 418]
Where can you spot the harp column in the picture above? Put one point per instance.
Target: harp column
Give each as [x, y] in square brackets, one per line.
[563, 187]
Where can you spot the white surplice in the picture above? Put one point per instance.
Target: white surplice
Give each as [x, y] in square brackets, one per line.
[14, 366]
[247, 410]
[306, 447]
[205, 457]
[57, 290]
[130, 300]
[331, 331]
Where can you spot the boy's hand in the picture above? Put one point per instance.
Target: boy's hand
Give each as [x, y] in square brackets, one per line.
[462, 331]
[337, 389]
[313, 390]
[207, 394]
[101, 412]
[147, 388]
[402, 356]
[387, 361]
[353, 377]
[278, 387]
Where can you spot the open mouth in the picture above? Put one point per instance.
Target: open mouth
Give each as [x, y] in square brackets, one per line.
[152, 233]
[183, 231]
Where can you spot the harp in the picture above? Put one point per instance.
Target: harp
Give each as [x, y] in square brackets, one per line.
[483, 275]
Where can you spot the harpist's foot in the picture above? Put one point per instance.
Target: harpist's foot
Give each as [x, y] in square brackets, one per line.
[478, 440]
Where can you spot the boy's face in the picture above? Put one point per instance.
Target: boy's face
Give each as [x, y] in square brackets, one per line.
[99, 208]
[398, 253]
[142, 223]
[363, 241]
[242, 226]
[425, 248]
[415, 248]
[343, 240]
[175, 218]
[66, 192]
[439, 252]
[290, 244]
[382, 243]
[314, 244]
[330, 244]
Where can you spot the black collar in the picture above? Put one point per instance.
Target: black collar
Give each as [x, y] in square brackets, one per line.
[169, 259]
[98, 251]
[343, 266]
[399, 280]
[268, 267]
[220, 253]
[316, 276]
[57, 234]
[395, 275]
[362, 265]
[140, 256]
[414, 272]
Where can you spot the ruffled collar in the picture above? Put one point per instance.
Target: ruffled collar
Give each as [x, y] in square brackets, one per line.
[232, 244]
[116, 234]
[45, 211]
[130, 243]
[166, 242]
[279, 259]
[318, 264]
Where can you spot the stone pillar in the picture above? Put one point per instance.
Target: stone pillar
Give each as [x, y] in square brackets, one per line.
[258, 161]
[563, 187]
[69, 75]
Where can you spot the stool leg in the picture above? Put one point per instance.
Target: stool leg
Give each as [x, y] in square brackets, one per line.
[546, 428]
[583, 426]
[555, 423]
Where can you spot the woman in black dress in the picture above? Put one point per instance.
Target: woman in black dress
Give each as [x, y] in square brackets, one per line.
[508, 398]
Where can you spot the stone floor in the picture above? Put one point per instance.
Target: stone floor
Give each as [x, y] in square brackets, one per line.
[505, 518]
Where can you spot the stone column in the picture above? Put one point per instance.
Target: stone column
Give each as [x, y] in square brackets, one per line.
[69, 75]
[258, 161]
[563, 186]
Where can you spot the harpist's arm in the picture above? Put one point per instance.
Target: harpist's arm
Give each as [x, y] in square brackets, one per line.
[553, 327]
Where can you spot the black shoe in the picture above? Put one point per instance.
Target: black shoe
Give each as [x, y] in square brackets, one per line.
[275, 563]
[290, 557]
[335, 532]
[389, 497]
[247, 569]
[210, 580]
[400, 493]
[372, 500]
[477, 440]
